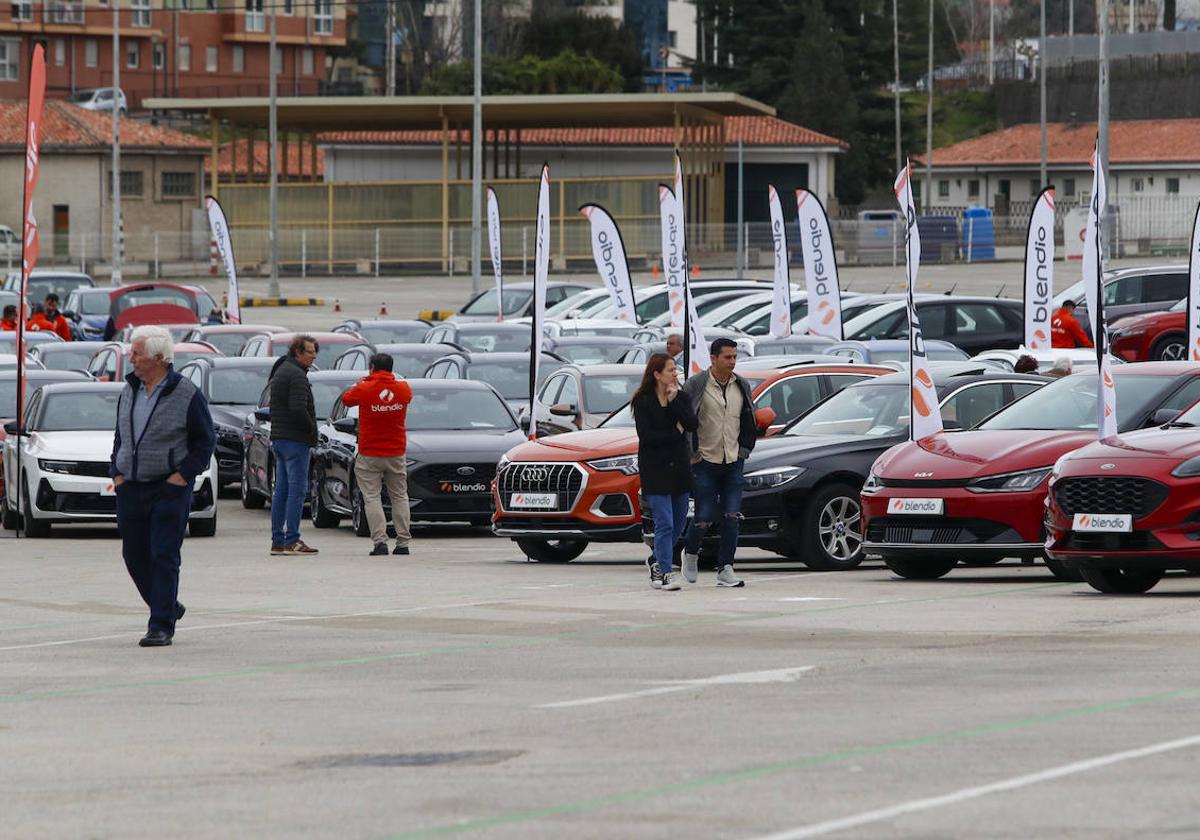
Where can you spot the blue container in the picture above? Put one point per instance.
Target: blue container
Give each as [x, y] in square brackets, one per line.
[978, 234]
[939, 238]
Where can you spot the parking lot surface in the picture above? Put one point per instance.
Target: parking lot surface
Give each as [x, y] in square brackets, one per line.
[464, 691]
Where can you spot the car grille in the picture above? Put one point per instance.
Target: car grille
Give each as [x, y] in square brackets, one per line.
[1131, 541]
[564, 479]
[97, 469]
[432, 476]
[894, 531]
[1096, 494]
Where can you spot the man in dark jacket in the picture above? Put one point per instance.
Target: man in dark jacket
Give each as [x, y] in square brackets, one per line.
[726, 435]
[164, 438]
[293, 435]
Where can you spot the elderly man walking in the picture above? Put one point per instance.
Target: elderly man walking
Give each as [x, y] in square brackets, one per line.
[382, 402]
[293, 436]
[164, 438]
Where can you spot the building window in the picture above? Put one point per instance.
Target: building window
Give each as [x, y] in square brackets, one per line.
[239, 59]
[288, 8]
[1137, 184]
[1035, 187]
[91, 53]
[131, 184]
[1172, 186]
[255, 21]
[943, 189]
[160, 56]
[1068, 186]
[60, 52]
[133, 55]
[210, 59]
[672, 38]
[179, 185]
[184, 59]
[10, 59]
[22, 10]
[306, 62]
[973, 188]
[323, 17]
[140, 10]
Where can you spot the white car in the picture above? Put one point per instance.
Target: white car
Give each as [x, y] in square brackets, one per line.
[64, 463]
[1006, 360]
[99, 99]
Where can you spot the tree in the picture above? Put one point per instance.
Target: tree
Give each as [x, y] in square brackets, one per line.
[553, 28]
[566, 72]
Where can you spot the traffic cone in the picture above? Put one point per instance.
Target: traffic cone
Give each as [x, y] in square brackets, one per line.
[337, 305]
[695, 271]
[383, 308]
[654, 272]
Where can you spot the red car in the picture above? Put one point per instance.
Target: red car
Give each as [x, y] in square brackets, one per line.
[1123, 515]
[979, 496]
[1151, 337]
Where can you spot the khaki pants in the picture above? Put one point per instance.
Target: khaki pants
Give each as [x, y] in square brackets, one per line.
[372, 472]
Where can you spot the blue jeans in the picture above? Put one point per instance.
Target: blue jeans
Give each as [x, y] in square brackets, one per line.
[291, 489]
[717, 489]
[670, 518]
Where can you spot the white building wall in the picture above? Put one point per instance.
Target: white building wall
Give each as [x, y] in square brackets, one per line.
[681, 21]
[1124, 183]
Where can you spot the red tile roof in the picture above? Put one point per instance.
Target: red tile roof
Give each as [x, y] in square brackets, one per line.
[1130, 141]
[299, 159]
[69, 127]
[753, 131]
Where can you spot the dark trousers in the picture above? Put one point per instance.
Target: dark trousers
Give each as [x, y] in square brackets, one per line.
[152, 517]
[717, 489]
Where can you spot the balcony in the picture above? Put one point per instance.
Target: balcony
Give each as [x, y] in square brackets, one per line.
[64, 12]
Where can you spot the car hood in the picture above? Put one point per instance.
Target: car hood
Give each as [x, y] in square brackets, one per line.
[795, 450]
[1150, 319]
[462, 444]
[230, 415]
[71, 446]
[1156, 444]
[964, 455]
[573, 446]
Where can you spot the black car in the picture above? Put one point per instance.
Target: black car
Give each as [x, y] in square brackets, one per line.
[801, 488]
[258, 465]
[457, 431]
[973, 324]
[408, 360]
[232, 385]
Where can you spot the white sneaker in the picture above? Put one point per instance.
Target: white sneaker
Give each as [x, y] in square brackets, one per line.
[691, 567]
[671, 582]
[726, 577]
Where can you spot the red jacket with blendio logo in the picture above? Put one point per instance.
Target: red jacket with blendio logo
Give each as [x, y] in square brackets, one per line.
[382, 402]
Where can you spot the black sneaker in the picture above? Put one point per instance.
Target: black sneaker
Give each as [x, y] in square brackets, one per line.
[379, 550]
[400, 549]
[656, 577]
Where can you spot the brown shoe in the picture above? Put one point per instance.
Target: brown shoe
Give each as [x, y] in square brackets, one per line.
[298, 547]
[278, 549]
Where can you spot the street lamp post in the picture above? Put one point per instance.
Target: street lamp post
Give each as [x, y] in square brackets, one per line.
[273, 161]
[477, 153]
[115, 279]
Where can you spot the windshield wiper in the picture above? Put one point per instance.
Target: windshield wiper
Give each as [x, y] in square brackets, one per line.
[1179, 424]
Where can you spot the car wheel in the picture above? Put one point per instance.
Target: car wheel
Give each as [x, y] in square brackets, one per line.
[831, 537]
[928, 569]
[203, 527]
[1062, 572]
[251, 499]
[1122, 581]
[322, 517]
[9, 519]
[552, 551]
[1169, 348]
[32, 527]
[358, 513]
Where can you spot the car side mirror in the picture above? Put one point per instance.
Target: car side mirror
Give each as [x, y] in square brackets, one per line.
[564, 410]
[763, 418]
[523, 422]
[262, 414]
[346, 425]
[10, 428]
[1164, 416]
[951, 425]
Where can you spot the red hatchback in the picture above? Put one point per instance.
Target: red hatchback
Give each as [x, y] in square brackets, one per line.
[1123, 515]
[979, 496]
[1152, 336]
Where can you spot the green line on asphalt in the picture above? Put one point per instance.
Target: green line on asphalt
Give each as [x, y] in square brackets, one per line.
[767, 770]
[529, 641]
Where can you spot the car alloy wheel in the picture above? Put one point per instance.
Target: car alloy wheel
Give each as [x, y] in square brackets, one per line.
[322, 517]
[831, 537]
[1171, 350]
[840, 528]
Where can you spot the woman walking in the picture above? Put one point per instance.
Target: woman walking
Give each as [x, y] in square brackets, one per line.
[664, 415]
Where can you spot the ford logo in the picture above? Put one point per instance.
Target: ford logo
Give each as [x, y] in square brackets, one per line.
[465, 471]
[535, 474]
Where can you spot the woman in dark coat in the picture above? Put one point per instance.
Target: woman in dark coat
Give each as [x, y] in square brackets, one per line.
[663, 415]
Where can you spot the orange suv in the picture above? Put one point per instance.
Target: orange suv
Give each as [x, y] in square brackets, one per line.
[554, 495]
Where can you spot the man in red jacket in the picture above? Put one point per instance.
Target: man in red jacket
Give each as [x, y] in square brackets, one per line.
[1065, 330]
[51, 319]
[382, 402]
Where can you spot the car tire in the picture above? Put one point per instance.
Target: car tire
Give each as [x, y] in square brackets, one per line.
[251, 499]
[552, 551]
[830, 537]
[1169, 348]
[31, 526]
[9, 518]
[358, 513]
[203, 527]
[1122, 581]
[926, 569]
[1062, 572]
[322, 517]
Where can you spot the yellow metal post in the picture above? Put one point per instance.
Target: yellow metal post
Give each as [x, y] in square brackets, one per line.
[329, 225]
[446, 192]
[214, 147]
[562, 221]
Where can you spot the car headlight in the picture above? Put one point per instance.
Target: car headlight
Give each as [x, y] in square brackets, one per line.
[627, 464]
[873, 484]
[1014, 482]
[1128, 332]
[228, 433]
[64, 467]
[1188, 469]
[772, 477]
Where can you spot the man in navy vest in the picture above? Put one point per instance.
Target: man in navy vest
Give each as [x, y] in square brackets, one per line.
[163, 440]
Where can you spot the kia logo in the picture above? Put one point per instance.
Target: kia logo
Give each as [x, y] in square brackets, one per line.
[465, 471]
[535, 474]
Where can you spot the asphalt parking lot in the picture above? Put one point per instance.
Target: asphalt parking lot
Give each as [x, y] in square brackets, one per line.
[463, 691]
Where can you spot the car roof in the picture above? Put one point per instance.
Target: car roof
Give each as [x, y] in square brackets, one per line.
[205, 329]
[800, 366]
[46, 375]
[584, 340]
[82, 386]
[218, 361]
[333, 375]
[419, 385]
[484, 357]
[611, 369]
[489, 326]
[411, 347]
[1164, 268]
[331, 337]
[1167, 368]
[56, 346]
[386, 322]
[949, 376]
[525, 285]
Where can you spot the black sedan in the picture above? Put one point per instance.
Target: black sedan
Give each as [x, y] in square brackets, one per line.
[457, 431]
[233, 386]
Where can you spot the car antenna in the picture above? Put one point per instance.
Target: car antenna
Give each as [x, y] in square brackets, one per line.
[885, 289]
[950, 291]
[1003, 286]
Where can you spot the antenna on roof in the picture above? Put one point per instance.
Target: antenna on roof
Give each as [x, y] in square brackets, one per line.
[1003, 286]
[950, 291]
[885, 289]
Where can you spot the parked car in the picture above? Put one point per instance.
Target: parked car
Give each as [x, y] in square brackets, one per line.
[651, 301]
[88, 308]
[110, 362]
[386, 332]
[65, 460]
[588, 350]
[578, 305]
[508, 373]
[893, 350]
[65, 355]
[586, 484]
[457, 432]
[408, 360]
[801, 488]
[577, 397]
[1081, 357]
[852, 307]
[1151, 336]
[484, 336]
[1124, 513]
[43, 281]
[158, 303]
[588, 327]
[34, 379]
[100, 99]
[799, 344]
[273, 345]
[972, 324]
[518, 301]
[1131, 291]
[228, 338]
[986, 489]
[8, 341]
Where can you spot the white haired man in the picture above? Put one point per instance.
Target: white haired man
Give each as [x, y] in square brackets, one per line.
[164, 438]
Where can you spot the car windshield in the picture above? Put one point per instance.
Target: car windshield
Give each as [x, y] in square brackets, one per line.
[572, 302]
[873, 409]
[514, 301]
[934, 354]
[412, 365]
[1179, 306]
[182, 357]
[39, 287]
[591, 354]
[156, 295]
[324, 395]
[501, 341]
[450, 409]
[608, 393]
[237, 386]
[8, 340]
[1070, 403]
[81, 96]
[511, 380]
[228, 343]
[622, 419]
[68, 358]
[326, 354]
[92, 303]
[392, 333]
[79, 412]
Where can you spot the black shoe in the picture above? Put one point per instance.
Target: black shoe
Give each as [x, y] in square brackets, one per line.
[180, 609]
[400, 549]
[379, 550]
[155, 638]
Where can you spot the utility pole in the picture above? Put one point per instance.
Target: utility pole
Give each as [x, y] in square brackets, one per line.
[896, 73]
[991, 40]
[391, 47]
[273, 161]
[477, 154]
[741, 224]
[1132, 8]
[1042, 85]
[927, 199]
[116, 146]
[1102, 115]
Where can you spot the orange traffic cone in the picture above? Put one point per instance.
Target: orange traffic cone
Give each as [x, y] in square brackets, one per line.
[337, 305]
[383, 308]
[654, 272]
[695, 271]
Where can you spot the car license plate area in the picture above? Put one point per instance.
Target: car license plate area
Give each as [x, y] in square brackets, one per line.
[533, 501]
[916, 507]
[1102, 522]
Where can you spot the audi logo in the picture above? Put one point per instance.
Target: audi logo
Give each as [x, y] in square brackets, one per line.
[535, 473]
[465, 471]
